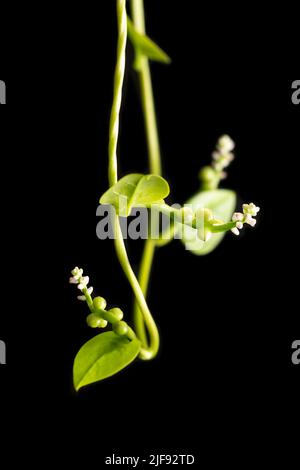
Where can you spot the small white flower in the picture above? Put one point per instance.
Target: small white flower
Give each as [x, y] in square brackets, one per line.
[83, 282]
[77, 273]
[251, 209]
[81, 297]
[223, 156]
[78, 276]
[237, 217]
[235, 231]
[221, 161]
[250, 221]
[225, 144]
[225, 159]
[216, 156]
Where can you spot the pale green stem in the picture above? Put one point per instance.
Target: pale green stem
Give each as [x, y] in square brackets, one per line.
[146, 90]
[147, 100]
[88, 298]
[146, 353]
[118, 88]
[144, 277]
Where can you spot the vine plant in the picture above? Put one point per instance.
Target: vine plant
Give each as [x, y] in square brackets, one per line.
[200, 224]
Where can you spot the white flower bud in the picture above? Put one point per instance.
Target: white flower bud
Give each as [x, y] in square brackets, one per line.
[83, 282]
[222, 160]
[81, 297]
[77, 273]
[237, 217]
[235, 231]
[226, 144]
[251, 209]
[250, 221]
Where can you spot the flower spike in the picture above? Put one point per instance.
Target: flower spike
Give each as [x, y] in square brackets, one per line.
[223, 156]
[247, 217]
[82, 284]
[210, 176]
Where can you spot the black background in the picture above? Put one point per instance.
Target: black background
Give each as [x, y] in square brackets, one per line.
[223, 383]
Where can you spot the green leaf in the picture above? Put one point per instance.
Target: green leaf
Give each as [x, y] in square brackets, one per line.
[222, 203]
[136, 190]
[145, 46]
[103, 356]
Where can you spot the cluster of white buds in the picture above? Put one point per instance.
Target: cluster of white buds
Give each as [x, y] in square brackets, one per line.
[249, 212]
[82, 282]
[223, 156]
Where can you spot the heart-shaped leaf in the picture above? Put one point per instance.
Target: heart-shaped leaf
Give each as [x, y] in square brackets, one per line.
[103, 356]
[136, 190]
[145, 46]
[222, 203]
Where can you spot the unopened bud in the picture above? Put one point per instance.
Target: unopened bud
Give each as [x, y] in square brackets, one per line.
[94, 321]
[99, 303]
[120, 328]
[209, 178]
[117, 313]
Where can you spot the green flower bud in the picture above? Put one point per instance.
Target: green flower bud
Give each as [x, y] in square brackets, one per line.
[120, 328]
[94, 321]
[99, 303]
[102, 323]
[209, 177]
[117, 313]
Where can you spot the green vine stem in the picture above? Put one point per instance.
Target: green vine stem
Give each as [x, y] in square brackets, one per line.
[118, 88]
[146, 90]
[144, 277]
[148, 106]
[146, 352]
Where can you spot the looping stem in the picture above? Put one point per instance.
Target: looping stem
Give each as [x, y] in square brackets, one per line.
[144, 277]
[146, 352]
[148, 106]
